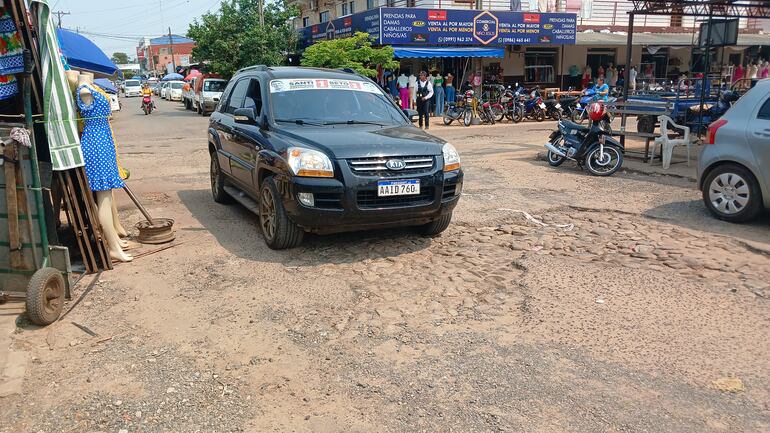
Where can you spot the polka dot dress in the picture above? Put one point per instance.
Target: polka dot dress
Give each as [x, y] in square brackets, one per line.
[97, 143]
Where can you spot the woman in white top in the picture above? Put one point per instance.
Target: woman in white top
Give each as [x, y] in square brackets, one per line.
[412, 89]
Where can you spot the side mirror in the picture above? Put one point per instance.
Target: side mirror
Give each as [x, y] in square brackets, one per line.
[245, 116]
[411, 114]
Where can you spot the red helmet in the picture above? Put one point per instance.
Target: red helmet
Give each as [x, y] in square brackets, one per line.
[596, 111]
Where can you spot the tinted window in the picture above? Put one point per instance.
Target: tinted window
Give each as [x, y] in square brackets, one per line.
[214, 86]
[254, 97]
[132, 83]
[177, 85]
[238, 95]
[764, 112]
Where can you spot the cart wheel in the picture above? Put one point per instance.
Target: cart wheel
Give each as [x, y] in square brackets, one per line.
[45, 296]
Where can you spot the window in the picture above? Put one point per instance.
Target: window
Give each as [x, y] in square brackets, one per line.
[238, 95]
[410, 3]
[344, 9]
[352, 7]
[764, 112]
[323, 17]
[253, 97]
[538, 66]
[371, 4]
[305, 21]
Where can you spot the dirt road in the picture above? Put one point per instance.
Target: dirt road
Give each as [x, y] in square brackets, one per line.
[628, 309]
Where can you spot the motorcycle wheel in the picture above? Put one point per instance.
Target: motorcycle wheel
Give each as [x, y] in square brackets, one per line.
[613, 160]
[490, 117]
[497, 113]
[518, 115]
[556, 114]
[467, 117]
[540, 115]
[555, 160]
[577, 116]
[447, 120]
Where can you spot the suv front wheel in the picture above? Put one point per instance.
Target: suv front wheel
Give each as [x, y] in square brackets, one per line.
[279, 231]
[435, 227]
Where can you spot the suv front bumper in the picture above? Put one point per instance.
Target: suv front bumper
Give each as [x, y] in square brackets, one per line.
[352, 203]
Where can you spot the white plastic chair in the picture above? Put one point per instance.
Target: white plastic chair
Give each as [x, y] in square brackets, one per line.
[667, 145]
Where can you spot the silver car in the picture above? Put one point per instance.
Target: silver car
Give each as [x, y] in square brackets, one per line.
[734, 165]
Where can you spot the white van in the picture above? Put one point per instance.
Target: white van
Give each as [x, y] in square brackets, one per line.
[132, 88]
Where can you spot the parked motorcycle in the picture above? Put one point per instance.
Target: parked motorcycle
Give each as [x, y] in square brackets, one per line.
[486, 115]
[568, 106]
[579, 114]
[534, 108]
[460, 111]
[590, 146]
[514, 108]
[552, 107]
[147, 104]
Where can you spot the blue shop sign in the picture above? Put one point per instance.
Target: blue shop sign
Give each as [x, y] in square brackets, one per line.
[450, 27]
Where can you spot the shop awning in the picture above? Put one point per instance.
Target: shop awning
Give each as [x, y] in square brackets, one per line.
[82, 54]
[426, 53]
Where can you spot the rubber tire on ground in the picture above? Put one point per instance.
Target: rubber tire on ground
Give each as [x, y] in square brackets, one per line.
[540, 115]
[751, 210]
[577, 116]
[645, 124]
[435, 227]
[518, 115]
[609, 173]
[447, 120]
[468, 117]
[497, 114]
[287, 234]
[45, 296]
[198, 109]
[218, 192]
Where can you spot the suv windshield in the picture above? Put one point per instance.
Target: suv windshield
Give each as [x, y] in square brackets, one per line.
[132, 83]
[314, 102]
[214, 86]
[177, 85]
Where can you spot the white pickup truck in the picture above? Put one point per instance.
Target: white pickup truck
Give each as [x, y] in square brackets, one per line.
[208, 91]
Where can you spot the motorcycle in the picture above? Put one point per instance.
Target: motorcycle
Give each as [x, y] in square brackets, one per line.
[511, 100]
[590, 146]
[534, 108]
[147, 104]
[460, 110]
[579, 114]
[486, 115]
[552, 108]
[568, 105]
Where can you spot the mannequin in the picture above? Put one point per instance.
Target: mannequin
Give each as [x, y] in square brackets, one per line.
[412, 91]
[101, 163]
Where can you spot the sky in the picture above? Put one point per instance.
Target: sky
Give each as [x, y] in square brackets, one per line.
[118, 25]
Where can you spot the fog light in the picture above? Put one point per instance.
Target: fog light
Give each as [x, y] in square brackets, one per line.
[306, 198]
[459, 188]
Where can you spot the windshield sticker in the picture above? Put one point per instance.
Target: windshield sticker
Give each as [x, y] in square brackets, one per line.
[292, 84]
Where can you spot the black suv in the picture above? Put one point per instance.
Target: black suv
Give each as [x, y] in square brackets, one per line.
[326, 151]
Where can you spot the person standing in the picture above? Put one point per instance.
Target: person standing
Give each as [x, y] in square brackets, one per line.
[574, 71]
[391, 84]
[612, 75]
[403, 90]
[752, 70]
[450, 90]
[423, 93]
[738, 73]
[586, 77]
[438, 89]
[632, 78]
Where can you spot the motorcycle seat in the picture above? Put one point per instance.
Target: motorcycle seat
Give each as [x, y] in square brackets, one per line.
[572, 125]
[549, 101]
[567, 99]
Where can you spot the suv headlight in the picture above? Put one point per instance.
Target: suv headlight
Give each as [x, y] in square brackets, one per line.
[309, 163]
[451, 157]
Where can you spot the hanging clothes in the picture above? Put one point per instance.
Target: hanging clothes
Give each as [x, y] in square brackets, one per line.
[97, 143]
[9, 87]
[11, 50]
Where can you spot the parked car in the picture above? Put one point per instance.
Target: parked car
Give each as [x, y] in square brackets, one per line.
[132, 88]
[164, 86]
[734, 164]
[208, 90]
[155, 88]
[174, 92]
[314, 150]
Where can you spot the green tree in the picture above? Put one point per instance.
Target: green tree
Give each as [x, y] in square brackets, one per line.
[127, 75]
[120, 58]
[233, 38]
[355, 52]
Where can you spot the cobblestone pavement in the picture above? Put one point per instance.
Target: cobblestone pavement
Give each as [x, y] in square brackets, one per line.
[555, 302]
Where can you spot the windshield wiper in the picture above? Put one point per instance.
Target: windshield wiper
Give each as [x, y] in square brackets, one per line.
[355, 122]
[300, 122]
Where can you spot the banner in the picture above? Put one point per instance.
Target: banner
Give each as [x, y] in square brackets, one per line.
[449, 27]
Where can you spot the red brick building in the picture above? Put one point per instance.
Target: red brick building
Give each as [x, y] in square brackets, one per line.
[155, 54]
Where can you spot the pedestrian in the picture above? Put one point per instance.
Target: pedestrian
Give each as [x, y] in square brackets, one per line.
[403, 90]
[612, 75]
[738, 73]
[632, 78]
[600, 72]
[423, 93]
[391, 84]
[586, 77]
[438, 90]
[752, 70]
[450, 90]
[574, 79]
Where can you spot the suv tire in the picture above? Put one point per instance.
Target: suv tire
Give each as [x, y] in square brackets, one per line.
[740, 187]
[218, 182]
[435, 227]
[279, 231]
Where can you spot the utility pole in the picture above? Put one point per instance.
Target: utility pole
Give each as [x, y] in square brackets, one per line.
[261, 12]
[171, 49]
[59, 15]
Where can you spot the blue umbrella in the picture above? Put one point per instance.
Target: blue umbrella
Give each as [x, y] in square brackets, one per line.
[83, 54]
[173, 77]
[106, 85]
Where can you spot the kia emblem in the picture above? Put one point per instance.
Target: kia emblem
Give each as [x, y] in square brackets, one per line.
[395, 164]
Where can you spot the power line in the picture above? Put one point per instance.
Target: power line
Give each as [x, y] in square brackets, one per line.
[59, 15]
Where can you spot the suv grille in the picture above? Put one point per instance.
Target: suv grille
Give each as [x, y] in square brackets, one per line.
[370, 200]
[376, 165]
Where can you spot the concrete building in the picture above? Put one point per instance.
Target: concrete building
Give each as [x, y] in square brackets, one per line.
[162, 54]
[663, 44]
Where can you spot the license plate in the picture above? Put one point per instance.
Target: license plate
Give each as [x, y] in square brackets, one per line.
[558, 105]
[542, 106]
[387, 188]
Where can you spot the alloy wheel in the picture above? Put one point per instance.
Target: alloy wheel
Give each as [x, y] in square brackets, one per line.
[267, 213]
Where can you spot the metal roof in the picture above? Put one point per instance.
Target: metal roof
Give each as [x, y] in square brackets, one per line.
[668, 39]
[164, 40]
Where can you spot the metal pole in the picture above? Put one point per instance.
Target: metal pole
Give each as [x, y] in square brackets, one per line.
[626, 83]
[706, 62]
[171, 49]
[561, 68]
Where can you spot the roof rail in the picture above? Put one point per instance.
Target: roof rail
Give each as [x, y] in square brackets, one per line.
[349, 70]
[260, 68]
